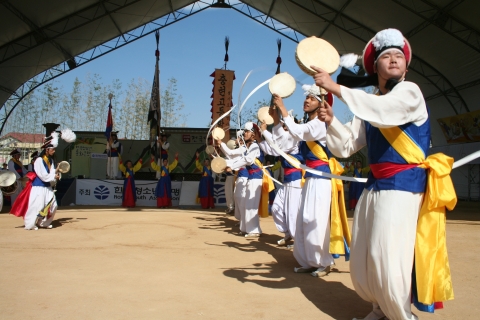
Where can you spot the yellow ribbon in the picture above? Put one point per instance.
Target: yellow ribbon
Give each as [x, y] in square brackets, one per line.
[432, 269]
[267, 186]
[338, 213]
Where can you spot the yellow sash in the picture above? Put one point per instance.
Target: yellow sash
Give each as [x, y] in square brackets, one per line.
[267, 186]
[339, 229]
[434, 282]
[47, 161]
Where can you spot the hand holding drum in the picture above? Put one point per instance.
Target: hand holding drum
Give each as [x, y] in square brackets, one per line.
[318, 58]
[282, 84]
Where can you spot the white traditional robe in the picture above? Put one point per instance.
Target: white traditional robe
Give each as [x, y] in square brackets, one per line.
[381, 263]
[40, 196]
[112, 162]
[240, 189]
[251, 221]
[287, 200]
[312, 235]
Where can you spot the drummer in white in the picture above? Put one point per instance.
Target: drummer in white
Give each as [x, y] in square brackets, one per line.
[312, 235]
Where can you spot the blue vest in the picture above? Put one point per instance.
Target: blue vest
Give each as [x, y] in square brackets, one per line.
[258, 174]
[380, 151]
[295, 175]
[37, 182]
[309, 156]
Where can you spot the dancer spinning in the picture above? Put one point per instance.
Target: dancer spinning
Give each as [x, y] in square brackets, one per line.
[163, 191]
[394, 125]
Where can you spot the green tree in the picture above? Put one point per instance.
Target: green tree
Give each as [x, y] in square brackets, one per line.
[171, 105]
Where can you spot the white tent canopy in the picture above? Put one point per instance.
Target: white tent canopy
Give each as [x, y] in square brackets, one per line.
[445, 36]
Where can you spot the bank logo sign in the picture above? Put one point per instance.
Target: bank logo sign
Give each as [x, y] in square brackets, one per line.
[101, 192]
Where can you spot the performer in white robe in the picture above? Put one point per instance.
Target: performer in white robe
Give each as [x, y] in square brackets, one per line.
[254, 184]
[113, 151]
[16, 166]
[241, 180]
[312, 235]
[41, 192]
[385, 221]
[287, 201]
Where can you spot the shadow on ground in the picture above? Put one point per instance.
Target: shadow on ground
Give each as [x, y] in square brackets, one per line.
[327, 295]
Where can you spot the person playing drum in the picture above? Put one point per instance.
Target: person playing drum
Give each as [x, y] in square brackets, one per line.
[38, 195]
[312, 234]
[394, 125]
[16, 166]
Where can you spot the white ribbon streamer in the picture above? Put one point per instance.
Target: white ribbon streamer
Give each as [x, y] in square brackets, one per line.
[308, 169]
[466, 159]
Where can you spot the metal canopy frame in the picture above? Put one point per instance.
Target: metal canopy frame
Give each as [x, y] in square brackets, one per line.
[432, 15]
[89, 14]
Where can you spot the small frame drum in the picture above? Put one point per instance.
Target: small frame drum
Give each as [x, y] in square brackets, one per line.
[317, 52]
[282, 84]
[218, 165]
[209, 149]
[218, 134]
[263, 115]
[231, 144]
[63, 167]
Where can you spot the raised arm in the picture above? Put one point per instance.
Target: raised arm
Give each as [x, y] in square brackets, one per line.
[404, 104]
[345, 140]
[174, 164]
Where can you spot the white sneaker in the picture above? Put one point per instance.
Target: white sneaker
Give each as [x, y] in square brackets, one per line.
[50, 227]
[321, 272]
[36, 228]
[252, 235]
[303, 270]
[283, 241]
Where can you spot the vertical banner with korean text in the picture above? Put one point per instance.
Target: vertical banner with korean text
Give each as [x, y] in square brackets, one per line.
[222, 98]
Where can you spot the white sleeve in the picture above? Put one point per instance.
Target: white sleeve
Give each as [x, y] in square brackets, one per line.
[404, 104]
[284, 140]
[345, 140]
[42, 172]
[267, 149]
[252, 153]
[314, 130]
[165, 146]
[232, 153]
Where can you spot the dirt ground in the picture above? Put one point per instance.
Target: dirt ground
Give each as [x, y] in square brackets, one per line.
[113, 263]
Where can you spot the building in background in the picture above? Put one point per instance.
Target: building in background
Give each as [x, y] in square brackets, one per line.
[27, 143]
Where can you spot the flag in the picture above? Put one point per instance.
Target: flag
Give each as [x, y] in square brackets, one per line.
[109, 126]
[154, 111]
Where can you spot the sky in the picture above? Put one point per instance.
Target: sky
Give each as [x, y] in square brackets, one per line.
[191, 49]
